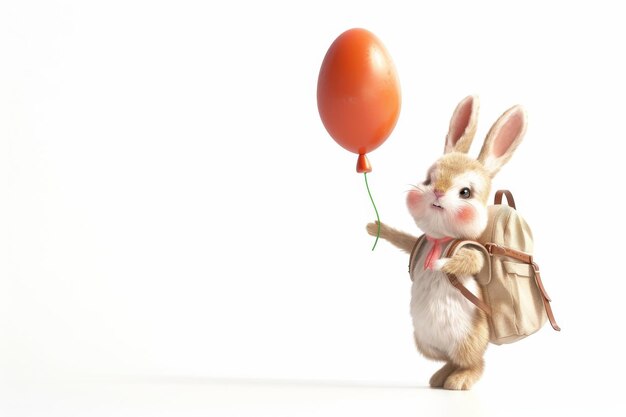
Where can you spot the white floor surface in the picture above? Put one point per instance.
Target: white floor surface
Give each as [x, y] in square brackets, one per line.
[180, 396]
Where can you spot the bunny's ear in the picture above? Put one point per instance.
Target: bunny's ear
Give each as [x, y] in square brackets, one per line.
[462, 126]
[503, 138]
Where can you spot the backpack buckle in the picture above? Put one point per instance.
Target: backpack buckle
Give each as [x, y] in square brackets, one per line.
[490, 246]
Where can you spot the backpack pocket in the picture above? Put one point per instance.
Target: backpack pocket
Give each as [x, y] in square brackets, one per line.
[529, 310]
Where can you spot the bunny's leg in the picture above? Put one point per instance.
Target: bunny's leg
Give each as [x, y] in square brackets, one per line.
[440, 377]
[437, 380]
[469, 356]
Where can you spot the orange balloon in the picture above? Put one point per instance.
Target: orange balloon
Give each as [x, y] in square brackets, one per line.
[358, 93]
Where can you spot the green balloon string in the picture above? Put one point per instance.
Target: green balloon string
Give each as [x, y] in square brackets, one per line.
[375, 209]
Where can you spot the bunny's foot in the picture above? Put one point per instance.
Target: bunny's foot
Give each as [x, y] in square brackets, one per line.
[439, 377]
[464, 378]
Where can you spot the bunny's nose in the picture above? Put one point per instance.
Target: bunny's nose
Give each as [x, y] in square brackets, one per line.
[438, 193]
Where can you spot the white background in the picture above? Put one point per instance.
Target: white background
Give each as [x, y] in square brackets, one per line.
[172, 207]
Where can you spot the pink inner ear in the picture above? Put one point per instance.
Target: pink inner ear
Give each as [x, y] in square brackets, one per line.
[460, 121]
[508, 133]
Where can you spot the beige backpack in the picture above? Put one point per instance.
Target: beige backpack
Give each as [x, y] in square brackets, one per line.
[513, 295]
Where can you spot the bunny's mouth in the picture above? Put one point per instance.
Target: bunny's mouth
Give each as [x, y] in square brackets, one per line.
[437, 206]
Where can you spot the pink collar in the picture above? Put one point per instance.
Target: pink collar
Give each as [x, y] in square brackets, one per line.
[435, 252]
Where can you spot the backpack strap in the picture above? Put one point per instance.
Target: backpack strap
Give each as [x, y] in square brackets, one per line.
[546, 299]
[494, 249]
[509, 197]
[458, 285]
[412, 259]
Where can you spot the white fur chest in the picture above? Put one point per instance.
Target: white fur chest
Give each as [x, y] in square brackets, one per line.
[442, 316]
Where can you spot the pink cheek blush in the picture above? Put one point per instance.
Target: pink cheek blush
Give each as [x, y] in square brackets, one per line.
[413, 199]
[466, 214]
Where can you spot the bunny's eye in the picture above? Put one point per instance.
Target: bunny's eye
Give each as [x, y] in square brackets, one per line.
[427, 181]
[465, 193]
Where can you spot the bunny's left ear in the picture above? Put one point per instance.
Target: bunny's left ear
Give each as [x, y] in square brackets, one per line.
[462, 126]
[503, 138]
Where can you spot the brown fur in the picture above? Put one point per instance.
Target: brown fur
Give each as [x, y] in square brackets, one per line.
[465, 262]
[454, 164]
[469, 356]
[439, 378]
[399, 239]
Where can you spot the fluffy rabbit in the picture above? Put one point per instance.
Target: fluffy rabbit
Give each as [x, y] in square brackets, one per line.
[452, 204]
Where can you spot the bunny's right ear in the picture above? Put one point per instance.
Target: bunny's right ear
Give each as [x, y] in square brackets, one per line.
[462, 126]
[503, 138]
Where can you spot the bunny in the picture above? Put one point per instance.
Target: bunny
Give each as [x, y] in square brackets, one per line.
[452, 204]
